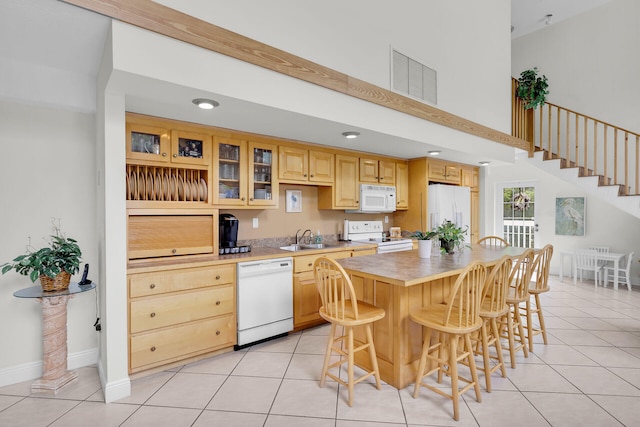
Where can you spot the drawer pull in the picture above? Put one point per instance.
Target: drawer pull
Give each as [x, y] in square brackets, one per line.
[310, 264]
[218, 277]
[217, 302]
[164, 154]
[153, 315]
[217, 332]
[153, 348]
[152, 286]
[173, 251]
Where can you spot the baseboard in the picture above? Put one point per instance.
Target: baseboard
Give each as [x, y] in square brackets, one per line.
[115, 390]
[33, 370]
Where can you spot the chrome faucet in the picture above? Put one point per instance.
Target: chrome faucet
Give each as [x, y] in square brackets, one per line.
[302, 236]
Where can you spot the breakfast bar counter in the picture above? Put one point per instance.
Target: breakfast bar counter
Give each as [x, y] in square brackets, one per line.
[401, 282]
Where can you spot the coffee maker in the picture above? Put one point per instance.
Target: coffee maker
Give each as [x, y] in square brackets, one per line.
[228, 236]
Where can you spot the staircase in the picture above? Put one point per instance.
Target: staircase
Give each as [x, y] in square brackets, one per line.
[601, 158]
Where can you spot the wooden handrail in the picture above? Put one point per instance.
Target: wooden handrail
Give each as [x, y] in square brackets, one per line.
[558, 128]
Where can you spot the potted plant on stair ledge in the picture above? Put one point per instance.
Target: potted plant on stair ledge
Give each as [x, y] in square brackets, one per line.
[532, 89]
[53, 264]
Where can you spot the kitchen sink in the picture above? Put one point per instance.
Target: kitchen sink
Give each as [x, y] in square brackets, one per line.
[294, 247]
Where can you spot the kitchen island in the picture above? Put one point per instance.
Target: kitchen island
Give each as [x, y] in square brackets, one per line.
[402, 282]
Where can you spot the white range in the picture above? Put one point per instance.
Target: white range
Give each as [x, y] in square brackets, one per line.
[373, 232]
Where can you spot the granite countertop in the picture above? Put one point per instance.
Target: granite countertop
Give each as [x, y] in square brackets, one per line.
[408, 269]
[257, 253]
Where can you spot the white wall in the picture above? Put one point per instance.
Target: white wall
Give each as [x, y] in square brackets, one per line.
[466, 41]
[47, 169]
[591, 61]
[604, 225]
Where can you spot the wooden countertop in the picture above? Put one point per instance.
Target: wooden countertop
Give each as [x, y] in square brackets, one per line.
[408, 269]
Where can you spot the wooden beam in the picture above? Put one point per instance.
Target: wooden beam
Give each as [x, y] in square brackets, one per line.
[160, 19]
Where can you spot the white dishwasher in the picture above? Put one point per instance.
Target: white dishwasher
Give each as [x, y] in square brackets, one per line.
[265, 299]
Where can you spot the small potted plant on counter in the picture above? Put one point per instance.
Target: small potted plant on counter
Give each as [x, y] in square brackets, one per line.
[53, 264]
[424, 242]
[451, 237]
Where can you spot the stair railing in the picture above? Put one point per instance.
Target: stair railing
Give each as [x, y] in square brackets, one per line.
[596, 147]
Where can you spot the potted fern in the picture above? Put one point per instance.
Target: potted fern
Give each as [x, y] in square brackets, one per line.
[532, 89]
[53, 264]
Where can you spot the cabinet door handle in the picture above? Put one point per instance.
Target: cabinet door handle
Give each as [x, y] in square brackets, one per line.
[164, 154]
[173, 251]
[310, 264]
[242, 199]
[153, 348]
[305, 175]
[217, 332]
[152, 286]
[217, 302]
[175, 155]
[218, 277]
[251, 199]
[153, 315]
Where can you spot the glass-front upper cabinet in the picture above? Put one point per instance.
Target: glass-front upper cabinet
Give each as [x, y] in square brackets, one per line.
[263, 172]
[147, 143]
[230, 171]
[190, 148]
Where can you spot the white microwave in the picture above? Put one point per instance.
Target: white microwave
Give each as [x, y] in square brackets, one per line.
[376, 199]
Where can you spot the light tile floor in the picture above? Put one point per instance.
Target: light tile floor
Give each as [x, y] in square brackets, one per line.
[588, 375]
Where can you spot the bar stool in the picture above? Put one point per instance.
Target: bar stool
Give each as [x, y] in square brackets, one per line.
[452, 321]
[493, 307]
[539, 284]
[340, 307]
[511, 325]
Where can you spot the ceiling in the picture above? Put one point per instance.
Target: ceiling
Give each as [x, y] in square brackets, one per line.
[41, 25]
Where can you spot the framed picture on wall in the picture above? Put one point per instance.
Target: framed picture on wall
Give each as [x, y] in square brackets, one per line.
[570, 216]
[294, 201]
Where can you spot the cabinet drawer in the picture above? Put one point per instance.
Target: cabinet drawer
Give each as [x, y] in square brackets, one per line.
[171, 234]
[305, 262]
[155, 348]
[178, 280]
[157, 312]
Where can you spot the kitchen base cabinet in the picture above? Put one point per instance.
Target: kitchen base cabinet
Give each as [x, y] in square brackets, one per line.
[179, 313]
[306, 299]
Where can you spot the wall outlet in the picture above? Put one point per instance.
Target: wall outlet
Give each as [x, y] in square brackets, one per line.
[386, 219]
[256, 223]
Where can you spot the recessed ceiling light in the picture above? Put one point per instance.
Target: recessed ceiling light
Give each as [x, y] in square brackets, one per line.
[484, 163]
[351, 135]
[434, 152]
[206, 104]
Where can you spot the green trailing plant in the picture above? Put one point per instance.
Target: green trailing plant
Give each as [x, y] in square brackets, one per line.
[451, 237]
[61, 254]
[532, 89]
[424, 235]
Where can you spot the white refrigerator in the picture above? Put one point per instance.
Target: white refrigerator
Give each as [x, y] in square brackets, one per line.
[452, 203]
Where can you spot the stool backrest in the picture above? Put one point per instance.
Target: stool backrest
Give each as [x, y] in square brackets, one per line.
[336, 290]
[540, 275]
[521, 275]
[463, 305]
[493, 242]
[494, 295]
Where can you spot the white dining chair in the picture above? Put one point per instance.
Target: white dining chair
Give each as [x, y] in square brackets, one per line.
[623, 272]
[600, 249]
[586, 260]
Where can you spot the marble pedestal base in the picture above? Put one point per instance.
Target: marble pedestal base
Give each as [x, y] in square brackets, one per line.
[55, 375]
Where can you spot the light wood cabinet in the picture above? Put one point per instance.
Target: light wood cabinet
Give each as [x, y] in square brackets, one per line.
[306, 299]
[440, 171]
[190, 148]
[377, 171]
[298, 165]
[402, 185]
[169, 232]
[179, 313]
[148, 142]
[244, 174]
[475, 216]
[345, 193]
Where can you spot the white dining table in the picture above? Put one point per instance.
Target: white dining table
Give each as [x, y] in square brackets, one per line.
[600, 256]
